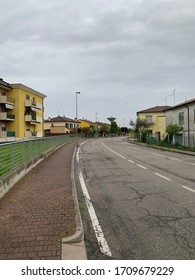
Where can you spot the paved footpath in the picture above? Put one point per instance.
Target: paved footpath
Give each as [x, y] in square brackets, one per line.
[38, 211]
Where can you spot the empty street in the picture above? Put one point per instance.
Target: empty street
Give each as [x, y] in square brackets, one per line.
[136, 202]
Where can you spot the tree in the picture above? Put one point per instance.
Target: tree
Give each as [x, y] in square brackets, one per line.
[104, 130]
[173, 129]
[141, 127]
[140, 124]
[114, 127]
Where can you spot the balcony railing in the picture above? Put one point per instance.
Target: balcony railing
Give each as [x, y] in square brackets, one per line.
[33, 119]
[30, 134]
[7, 117]
[35, 106]
[8, 101]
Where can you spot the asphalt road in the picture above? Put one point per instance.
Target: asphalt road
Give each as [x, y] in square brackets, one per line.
[136, 202]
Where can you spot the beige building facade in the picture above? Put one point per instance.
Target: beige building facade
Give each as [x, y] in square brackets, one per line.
[157, 116]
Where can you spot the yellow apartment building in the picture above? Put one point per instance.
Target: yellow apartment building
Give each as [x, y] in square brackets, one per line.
[86, 123]
[21, 111]
[157, 116]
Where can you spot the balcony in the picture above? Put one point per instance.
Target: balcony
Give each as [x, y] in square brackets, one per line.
[33, 119]
[8, 101]
[3, 134]
[30, 134]
[7, 117]
[35, 106]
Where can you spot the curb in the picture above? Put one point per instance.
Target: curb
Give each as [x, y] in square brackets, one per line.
[73, 247]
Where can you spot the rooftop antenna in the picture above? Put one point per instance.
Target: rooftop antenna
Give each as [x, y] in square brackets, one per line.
[174, 95]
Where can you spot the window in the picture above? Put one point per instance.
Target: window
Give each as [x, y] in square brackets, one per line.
[3, 92]
[27, 127]
[3, 128]
[27, 97]
[149, 119]
[33, 101]
[181, 118]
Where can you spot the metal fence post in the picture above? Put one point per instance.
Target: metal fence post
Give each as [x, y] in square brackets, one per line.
[22, 151]
[13, 156]
[30, 149]
[36, 148]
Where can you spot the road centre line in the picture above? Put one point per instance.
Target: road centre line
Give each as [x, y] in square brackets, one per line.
[157, 155]
[175, 158]
[141, 166]
[166, 178]
[96, 225]
[189, 189]
[113, 151]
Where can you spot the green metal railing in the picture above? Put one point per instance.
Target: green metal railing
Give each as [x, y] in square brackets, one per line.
[14, 154]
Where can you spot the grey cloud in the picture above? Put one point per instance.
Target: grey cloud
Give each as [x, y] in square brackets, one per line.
[115, 52]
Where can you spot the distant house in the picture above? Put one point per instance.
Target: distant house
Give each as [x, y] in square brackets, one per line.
[87, 124]
[60, 125]
[183, 114]
[157, 116]
[100, 124]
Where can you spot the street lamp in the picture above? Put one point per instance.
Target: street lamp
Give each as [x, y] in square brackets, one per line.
[96, 124]
[78, 92]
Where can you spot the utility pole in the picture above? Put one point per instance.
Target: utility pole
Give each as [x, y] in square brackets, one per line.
[170, 95]
[96, 124]
[78, 92]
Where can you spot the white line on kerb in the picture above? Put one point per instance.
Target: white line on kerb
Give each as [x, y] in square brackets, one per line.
[189, 189]
[130, 161]
[113, 151]
[96, 225]
[141, 166]
[162, 176]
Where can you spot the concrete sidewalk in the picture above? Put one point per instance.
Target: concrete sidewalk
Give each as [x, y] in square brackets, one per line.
[39, 211]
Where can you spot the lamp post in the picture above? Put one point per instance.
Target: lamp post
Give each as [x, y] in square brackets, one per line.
[78, 92]
[96, 124]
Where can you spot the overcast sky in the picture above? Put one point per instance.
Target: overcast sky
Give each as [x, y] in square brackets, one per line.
[122, 55]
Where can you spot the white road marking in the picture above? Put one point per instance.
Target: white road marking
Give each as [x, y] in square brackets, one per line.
[187, 188]
[175, 158]
[157, 155]
[137, 149]
[113, 151]
[96, 225]
[166, 178]
[166, 157]
[141, 166]
[130, 161]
